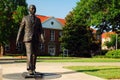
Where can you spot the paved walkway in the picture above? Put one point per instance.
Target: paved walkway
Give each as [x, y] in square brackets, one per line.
[55, 71]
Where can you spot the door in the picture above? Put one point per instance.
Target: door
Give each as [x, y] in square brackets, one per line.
[51, 50]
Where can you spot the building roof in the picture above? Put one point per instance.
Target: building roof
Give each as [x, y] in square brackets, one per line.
[62, 21]
[107, 34]
[104, 35]
[44, 18]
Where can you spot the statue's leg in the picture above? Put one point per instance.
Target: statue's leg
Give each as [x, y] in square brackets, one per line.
[34, 62]
[28, 46]
[34, 55]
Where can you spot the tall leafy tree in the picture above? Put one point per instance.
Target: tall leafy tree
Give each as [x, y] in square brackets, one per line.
[9, 23]
[77, 36]
[104, 14]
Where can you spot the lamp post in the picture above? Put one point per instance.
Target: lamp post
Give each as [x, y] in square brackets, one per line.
[116, 41]
[117, 34]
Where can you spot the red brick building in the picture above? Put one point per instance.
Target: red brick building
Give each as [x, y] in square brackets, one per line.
[52, 31]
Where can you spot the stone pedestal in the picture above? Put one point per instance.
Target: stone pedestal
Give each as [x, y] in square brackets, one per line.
[0, 73]
[41, 76]
[37, 75]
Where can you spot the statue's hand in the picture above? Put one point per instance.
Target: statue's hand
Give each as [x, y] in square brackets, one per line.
[17, 43]
[42, 39]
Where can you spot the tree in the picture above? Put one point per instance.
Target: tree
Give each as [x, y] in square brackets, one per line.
[101, 14]
[114, 40]
[8, 26]
[104, 14]
[77, 36]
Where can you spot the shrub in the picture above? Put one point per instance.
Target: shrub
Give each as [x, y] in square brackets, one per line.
[113, 54]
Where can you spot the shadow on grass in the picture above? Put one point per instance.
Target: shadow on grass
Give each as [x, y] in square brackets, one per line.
[69, 72]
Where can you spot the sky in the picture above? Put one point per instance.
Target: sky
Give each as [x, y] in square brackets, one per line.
[55, 8]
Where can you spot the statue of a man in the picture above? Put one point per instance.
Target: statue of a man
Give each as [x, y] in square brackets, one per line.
[31, 33]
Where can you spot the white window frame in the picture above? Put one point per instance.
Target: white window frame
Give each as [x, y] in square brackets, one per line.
[42, 47]
[52, 35]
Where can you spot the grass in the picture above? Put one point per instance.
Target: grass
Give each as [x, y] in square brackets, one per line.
[107, 72]
[73, 59]
[68, 59]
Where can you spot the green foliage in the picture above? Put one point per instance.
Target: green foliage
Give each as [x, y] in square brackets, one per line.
[9, 24]
[77, 34]
[113, 54]
[112, 41]
[19, 13]
[106, 14]
[105, 17]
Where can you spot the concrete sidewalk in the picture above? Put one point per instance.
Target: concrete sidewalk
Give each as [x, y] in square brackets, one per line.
[13, 71]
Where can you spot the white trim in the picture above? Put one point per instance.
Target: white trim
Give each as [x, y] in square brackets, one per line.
[47, 24]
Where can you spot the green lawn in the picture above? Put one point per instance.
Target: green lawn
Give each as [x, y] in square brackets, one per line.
[73, 59]
[107, 72]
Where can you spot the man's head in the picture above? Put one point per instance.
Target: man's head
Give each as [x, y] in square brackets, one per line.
[32, 9]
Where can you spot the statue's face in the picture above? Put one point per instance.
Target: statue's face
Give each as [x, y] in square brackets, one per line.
[32, 9]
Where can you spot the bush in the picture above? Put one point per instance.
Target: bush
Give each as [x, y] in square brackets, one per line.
[113, 54]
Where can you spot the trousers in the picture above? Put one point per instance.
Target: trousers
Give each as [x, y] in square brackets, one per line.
[31, 52]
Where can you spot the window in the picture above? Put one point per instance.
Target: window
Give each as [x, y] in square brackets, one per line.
[51, 50]
[52, 23]
[52, 35]
[42, 47]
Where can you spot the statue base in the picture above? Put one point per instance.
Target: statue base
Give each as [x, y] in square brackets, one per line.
[36, 75]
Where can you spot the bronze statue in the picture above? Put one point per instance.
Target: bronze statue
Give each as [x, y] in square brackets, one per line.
[31, 33]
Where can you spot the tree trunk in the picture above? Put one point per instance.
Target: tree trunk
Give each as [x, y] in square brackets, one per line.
[1, 50]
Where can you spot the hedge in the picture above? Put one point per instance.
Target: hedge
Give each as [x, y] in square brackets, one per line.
[113, 54]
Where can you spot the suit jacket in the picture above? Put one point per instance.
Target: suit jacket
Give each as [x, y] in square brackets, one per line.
[29, 30]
